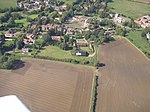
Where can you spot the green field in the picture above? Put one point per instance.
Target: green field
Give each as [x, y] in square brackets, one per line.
[8, 3]
[56, 52]
[137, 40]
[22, 21]
[130, 8]
[33, 16]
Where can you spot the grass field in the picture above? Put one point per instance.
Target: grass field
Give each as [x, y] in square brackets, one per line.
[54, 51]
[22, 21]
[130, 8]
[142, 44]
[8, 3]
[45, 86]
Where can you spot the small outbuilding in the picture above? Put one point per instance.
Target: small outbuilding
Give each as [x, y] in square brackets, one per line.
[82, 53]
[148, 35]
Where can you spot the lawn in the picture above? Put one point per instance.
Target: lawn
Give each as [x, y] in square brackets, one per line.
[137, 40]
[33, 16]
[8, 3]
[54, 51]
[74, 24]
[130, 8]
[68, 1]
[22, 21]
[1, 14]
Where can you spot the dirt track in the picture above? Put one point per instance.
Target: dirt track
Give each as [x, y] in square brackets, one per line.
[125, 79]
[49, 86]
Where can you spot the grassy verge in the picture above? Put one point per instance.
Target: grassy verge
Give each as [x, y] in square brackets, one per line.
[93, 94]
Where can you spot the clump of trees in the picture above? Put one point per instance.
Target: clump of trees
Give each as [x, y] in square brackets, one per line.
[144, 32]
[7, 62]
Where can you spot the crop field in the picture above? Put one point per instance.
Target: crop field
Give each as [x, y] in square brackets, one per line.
[8, 3]
[124, 80]
[45, 86]
[130, 8]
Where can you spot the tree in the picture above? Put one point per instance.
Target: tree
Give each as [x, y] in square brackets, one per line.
[39, 42]
[8, 45]
[11, 22]
[19, 42]
[64, 46]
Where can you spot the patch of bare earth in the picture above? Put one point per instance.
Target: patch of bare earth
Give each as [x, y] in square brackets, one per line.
[125, 79]
[49, 86]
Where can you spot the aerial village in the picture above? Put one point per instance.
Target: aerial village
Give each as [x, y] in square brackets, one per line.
[72, 28]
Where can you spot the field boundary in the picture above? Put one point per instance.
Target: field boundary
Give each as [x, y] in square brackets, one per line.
[93, 93]
[136, 48]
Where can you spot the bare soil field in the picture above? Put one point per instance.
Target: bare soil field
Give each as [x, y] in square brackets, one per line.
[45, 86]
[124, 83]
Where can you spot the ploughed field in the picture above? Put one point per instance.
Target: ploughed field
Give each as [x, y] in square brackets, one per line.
[124, 80]
[45, 86]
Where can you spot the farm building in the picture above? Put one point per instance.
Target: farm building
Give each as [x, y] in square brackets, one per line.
[144, 21]
[82, 53]
[56, 38]
[81, 42]
[25, 50]
[118, 19]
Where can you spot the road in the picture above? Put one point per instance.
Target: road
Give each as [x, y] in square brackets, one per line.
[124, 83]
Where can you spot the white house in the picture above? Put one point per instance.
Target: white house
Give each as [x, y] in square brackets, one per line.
[12, 103]
[118, 19]
[148, 35]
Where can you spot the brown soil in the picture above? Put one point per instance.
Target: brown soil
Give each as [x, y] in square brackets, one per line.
[49, 86]
[124, 80]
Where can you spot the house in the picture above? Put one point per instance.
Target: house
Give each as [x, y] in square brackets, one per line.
[46, 27]
[143, 21]
[29, 39]
[9, 33]
[82, 53]
[81, 42]
[56, 38]
[148, 35]
[25, 50]
[118, 19]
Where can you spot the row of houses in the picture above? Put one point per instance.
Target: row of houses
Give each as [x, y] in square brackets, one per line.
[33, 4]
[46, 27]
[143, 21]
